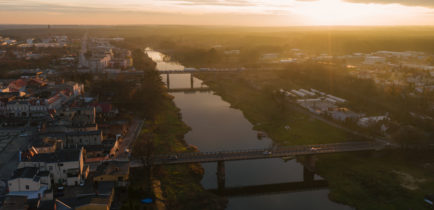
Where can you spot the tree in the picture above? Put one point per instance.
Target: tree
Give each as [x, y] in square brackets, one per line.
[409, 136]
[141, 61]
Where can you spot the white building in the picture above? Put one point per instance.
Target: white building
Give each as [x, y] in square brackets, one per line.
[65, 166]
[78, 138]
[337, 99]
[367, 121]
[307, 92]
[232, 52]
[370, 60]
[30, 182]
[298, 93]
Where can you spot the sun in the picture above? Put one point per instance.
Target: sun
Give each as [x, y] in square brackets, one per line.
[338, 12]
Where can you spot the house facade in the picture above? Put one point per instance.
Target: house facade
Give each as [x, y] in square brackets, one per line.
[65, 167]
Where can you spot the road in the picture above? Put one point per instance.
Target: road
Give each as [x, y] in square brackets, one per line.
[133, 133]
[9, 156]
[82, 59]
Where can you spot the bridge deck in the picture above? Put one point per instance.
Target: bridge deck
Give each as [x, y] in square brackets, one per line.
[203, 157]
[193, 71]
[175, 90]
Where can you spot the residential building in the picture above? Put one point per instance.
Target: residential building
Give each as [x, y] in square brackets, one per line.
[30, 182]
[65, 166]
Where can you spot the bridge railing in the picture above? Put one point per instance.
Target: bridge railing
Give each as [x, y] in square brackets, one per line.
[361, 145]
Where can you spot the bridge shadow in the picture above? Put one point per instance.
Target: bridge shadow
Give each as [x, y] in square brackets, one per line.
[309, 183]
[271, 188]
[189, 90]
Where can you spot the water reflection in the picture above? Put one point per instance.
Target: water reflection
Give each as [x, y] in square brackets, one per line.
[160, 58]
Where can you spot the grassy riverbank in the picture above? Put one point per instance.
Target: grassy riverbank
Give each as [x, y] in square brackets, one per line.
[180, 184]
[260, 107]
[365, 180]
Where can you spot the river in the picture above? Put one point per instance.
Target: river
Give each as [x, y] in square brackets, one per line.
[216, 126]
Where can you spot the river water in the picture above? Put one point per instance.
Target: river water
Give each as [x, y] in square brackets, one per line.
[215, 127]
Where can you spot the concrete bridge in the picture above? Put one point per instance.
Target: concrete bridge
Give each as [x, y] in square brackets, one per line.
[191, 89]
[190, 71]
[307, 152]
[203, 157]
[187, 71]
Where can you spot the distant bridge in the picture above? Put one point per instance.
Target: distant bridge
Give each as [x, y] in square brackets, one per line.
[191, 89]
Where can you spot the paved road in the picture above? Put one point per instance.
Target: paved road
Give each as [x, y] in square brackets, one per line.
[9, 156]
[82, 59]
[133, 133]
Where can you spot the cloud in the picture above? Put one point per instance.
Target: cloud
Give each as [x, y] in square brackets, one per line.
[45, 7]
[423, 3]
[214, 2]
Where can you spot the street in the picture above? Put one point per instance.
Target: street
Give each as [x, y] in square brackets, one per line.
[133, 133]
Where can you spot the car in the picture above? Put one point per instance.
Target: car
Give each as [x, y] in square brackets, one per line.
[315, 148]
[173, 157]
[266, 152]
[82, 182]
[23, 135]
[429, 200]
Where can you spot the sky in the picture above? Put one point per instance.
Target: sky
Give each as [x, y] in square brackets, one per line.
[218, 12]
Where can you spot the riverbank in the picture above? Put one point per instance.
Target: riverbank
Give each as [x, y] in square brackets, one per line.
[366, 180]
[180, 184]
[285, 125]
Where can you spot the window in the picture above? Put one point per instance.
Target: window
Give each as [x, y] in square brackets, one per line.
[27, 187]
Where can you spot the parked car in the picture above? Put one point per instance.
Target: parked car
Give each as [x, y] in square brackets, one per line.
[266, 152]
[315, 148]
[429, 200]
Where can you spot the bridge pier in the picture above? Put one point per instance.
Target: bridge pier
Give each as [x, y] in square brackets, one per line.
[308, 175]
[310, 162]
[191, 81]
[221, 175]
[168, 81]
